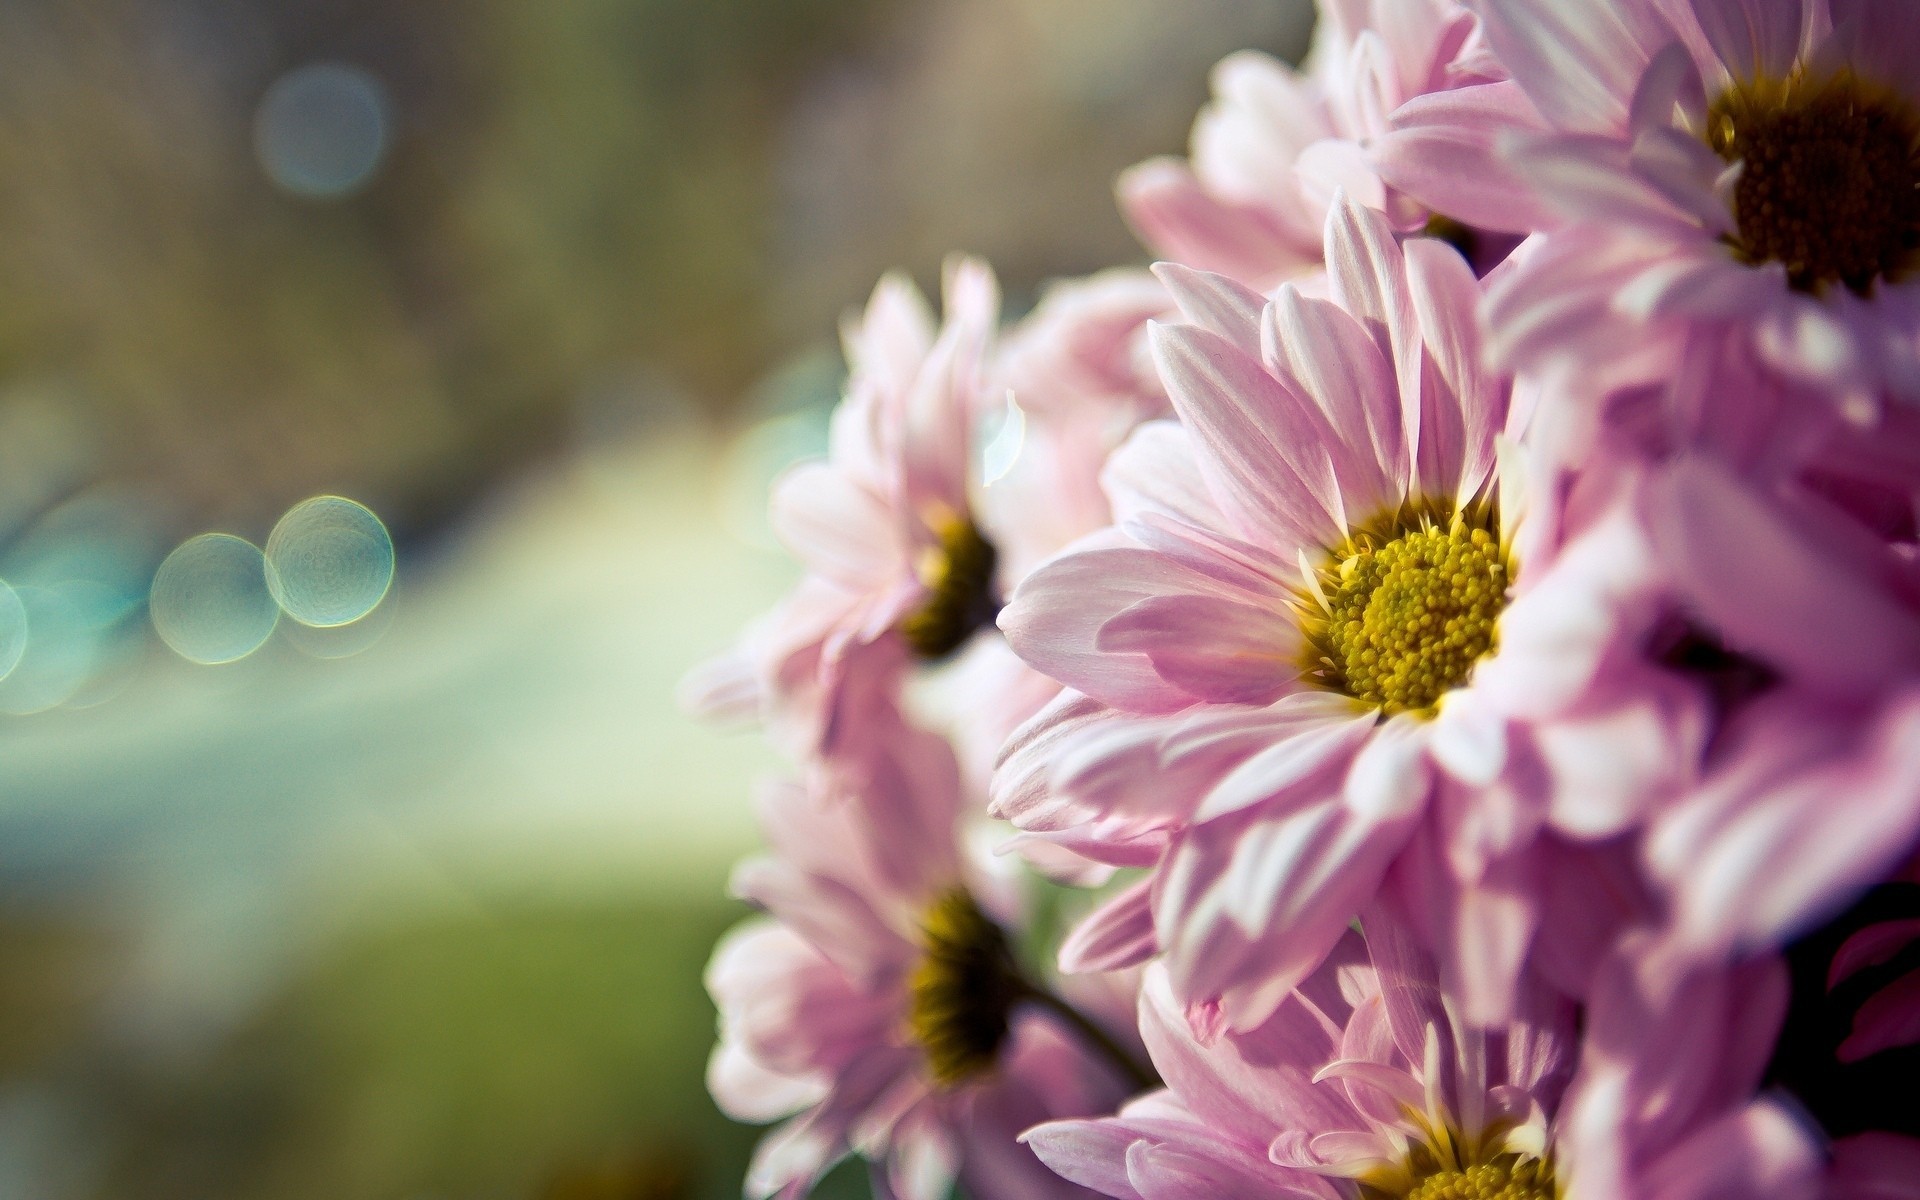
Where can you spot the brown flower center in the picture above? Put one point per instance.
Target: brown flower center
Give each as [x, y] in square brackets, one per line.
[961, 993]
[1830, 182]
[958, 574]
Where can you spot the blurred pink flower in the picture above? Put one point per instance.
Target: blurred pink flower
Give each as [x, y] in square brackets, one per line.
[896, 565]
[880, 1008]
[1275, 144]
[1743, 164]
[1301, 652]
[1668, 1103]
[1361, 1083]
[1077, 378]
[1812, 791]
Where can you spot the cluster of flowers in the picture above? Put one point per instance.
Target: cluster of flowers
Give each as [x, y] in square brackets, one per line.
[1453, 629]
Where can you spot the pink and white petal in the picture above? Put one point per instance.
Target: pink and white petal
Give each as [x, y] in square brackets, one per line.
[1463, 405]
[1263, 449]
[1331, 359]
[833, 918]
[1590, 177]
[1469, 737]
[1167, 1172]
[1215, 303]
[923, 1157]
[1117, 935]
[748, 1090]
[1704, 283]
[887, 343]
[1304, 735]
[1367, 273]
[1249, 908]
[1092, 1154]
[1494, 923]
[1610, 764]
[1743, 568]
[1577, 62]
[1670, 92]
[1809, 817]
[1263, 116]
[1444, 150]
[837, 527]
[1391, 777]
[1755, 39]
[1244, 1084]
[1686, 173]
[1763, 1150]
[1173, 213]
[1054, 618]
[1335, 165]
[1221, 650]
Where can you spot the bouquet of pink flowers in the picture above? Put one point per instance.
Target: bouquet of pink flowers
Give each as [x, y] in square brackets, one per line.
[1448, 638]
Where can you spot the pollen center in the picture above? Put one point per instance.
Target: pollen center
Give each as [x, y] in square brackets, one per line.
[1407, 616]
[958, 574]
[1505, 1178]
[1830, 181]
[962, 990]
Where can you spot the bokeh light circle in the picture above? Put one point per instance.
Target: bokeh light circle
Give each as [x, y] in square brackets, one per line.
[13, 629]
[210, 601]
[329, 561]
[321, 130]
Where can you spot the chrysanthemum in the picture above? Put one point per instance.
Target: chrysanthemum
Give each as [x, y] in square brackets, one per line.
[1750, 164]
[1275, 144]
[897, 568]
[957, 463]
[882, 1008]
[1326, 631]
[1362, 1085]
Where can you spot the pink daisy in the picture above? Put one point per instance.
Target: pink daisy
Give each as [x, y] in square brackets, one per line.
[1326, 630]
[897, 569]
[1275, 144]
[1076, 378]
[1743, 164]
[881, 1008]
[1365, 1084]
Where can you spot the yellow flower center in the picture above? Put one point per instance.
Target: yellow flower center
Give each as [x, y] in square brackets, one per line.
[1508, 1177]
[1830, 185]
[958, 574]
[961, 992]
[1407, 612]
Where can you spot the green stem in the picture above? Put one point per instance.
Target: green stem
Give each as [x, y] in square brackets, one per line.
[1138, 1073]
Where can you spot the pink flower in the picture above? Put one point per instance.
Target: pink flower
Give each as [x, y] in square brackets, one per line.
[1365, 1082]
[1327, 632]
[1742, 165]
[897, 568]
[1361, 1083]
[1077, 379]
[955, 466]
[880, 1008]
[1275, 145]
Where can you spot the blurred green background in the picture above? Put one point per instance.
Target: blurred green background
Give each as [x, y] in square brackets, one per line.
[417, 907]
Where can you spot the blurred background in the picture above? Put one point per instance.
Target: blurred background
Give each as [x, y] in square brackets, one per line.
[395, 880]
